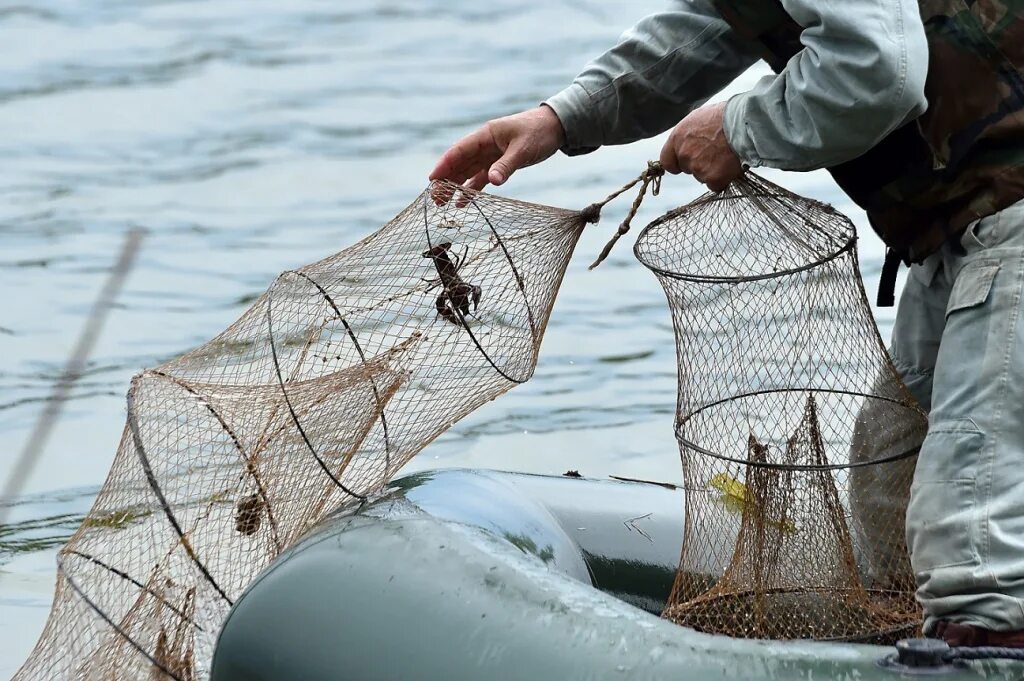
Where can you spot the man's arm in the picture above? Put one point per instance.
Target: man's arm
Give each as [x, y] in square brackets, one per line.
[664, 67]
[860, 76]
[661, 69]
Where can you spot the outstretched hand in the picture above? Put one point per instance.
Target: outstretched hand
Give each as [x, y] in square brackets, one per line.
[502, 146]
[698, 147]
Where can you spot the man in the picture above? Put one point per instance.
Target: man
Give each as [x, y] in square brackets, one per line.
[916, 109]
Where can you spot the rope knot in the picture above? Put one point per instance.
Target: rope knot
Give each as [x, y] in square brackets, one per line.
[650, 178]
[591, 214]
[655, 172]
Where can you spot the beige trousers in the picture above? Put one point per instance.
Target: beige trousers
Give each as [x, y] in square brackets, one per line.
[959, 344]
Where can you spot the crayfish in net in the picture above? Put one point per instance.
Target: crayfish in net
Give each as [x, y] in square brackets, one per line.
[453, 302]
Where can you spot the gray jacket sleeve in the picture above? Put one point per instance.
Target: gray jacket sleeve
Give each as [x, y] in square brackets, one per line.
[860, 75]
[661, 69]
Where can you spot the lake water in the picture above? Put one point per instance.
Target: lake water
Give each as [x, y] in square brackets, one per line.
[250, 137]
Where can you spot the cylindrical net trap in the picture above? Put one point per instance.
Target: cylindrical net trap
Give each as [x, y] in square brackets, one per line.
[312, 400]
[795, 430]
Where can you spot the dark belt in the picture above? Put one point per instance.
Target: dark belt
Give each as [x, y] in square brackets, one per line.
[969, 635]
[891, 270]
[887, 282]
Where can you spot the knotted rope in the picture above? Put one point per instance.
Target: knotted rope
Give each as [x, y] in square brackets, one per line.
[592, 213]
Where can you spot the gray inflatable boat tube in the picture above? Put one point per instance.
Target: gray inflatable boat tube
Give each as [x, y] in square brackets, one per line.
[481, 575]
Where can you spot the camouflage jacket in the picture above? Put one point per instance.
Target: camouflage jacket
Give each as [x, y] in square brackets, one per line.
[964, 157]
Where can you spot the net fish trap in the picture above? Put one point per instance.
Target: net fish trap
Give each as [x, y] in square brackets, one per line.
[789, 423]
[328, 384]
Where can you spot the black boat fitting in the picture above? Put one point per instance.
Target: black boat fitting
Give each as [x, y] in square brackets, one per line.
[920, 657]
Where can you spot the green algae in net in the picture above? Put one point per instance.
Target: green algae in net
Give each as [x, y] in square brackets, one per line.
[795, 431]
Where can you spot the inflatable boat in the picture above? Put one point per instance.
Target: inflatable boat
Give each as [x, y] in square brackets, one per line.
[468, 575]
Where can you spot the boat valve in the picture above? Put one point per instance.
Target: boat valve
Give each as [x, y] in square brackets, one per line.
[920, 657]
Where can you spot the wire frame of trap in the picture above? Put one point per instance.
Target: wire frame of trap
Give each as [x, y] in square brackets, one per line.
[795, 430]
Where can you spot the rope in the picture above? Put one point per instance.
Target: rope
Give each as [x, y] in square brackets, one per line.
[983, 653]
[592, 213]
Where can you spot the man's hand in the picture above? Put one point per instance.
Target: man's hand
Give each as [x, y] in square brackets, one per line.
[698, 147]
[501, 147]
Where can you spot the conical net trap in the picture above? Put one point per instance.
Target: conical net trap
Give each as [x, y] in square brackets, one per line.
[330, 382]
[787, 412]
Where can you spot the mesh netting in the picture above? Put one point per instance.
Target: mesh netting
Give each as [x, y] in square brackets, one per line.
[791, 421]
[787, 419]
[330, 382]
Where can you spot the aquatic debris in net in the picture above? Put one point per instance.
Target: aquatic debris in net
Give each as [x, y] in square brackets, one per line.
[786, 393]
